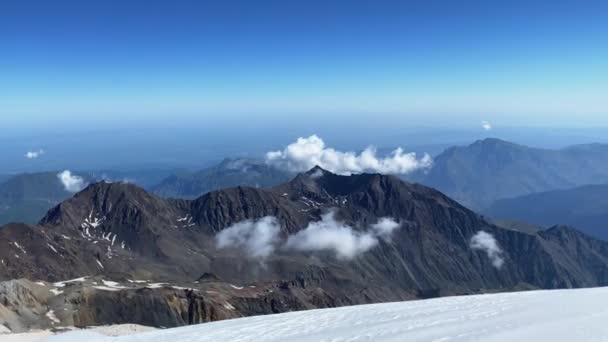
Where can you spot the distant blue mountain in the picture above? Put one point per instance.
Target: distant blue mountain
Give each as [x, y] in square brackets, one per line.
[584, 207]
[488, 170]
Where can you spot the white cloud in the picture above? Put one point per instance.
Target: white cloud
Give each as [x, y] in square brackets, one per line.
[331, 235]
[306, 153]
[71, 183]
[34, 154]
[385, 227]
[486, 242]
[486, 125]
[258, 238]
[317, 174]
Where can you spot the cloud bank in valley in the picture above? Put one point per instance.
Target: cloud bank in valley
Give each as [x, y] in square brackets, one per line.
[486, 242]
[258, 238]
[34, 154]
[71, 182]
[306, 153]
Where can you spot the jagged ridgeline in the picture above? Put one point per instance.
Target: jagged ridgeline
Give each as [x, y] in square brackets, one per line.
[319, 240]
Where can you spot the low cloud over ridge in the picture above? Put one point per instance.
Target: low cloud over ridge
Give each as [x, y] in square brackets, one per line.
[329, 234]
[486, 242]
[71, 183]
[306, 153]
[258, 238]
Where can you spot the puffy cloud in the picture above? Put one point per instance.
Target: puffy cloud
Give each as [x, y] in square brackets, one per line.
[385, 227]
[34, 154]
[486, 242]
[305, 153]
[331, 235]
[486, 125]
[340, 238]
[71, 183]
[261, 238]
[258, 238]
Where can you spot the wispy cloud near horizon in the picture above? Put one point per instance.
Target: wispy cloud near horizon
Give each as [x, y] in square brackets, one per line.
[34, 154]
[486, 125]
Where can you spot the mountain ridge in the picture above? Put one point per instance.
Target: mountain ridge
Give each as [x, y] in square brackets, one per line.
[487, 170]
[120, 232]
[584, 207]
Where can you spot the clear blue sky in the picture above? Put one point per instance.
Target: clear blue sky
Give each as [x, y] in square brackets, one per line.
[431, 62]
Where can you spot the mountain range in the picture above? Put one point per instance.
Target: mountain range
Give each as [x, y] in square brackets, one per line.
[27, 197]
[319, 240]
[230, 172]
[488, 170]
[476, 176]
[585, 206]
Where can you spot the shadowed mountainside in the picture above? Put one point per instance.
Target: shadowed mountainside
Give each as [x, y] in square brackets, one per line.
[119, 232]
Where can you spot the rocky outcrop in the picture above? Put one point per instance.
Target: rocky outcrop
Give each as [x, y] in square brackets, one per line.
[93, 301]
[120, 232]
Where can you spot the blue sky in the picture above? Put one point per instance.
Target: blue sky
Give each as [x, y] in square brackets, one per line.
[413, 62]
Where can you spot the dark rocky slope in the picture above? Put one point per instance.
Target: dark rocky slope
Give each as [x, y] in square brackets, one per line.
[120, 232]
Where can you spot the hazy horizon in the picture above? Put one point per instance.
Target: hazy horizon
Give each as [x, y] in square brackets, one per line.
[184, 84]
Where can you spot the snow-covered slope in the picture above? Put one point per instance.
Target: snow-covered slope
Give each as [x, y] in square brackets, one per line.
[558, 315]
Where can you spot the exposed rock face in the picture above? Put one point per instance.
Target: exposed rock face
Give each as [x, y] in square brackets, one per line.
[93, 301]
[120, 232]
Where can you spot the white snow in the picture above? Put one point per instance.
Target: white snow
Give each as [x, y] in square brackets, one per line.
[112, 284]
[93, 221]
[229, 306]
[62, 283]
[26, 337]
[110, 330]
[4, 330]
[56, 292]
[53, 248]
[560, 315]
[183, 288]
[138, 281]
[51, 316]
[20, 248]
[106, 288]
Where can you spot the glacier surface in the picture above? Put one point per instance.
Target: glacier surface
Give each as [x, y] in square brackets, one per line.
[558, 315]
